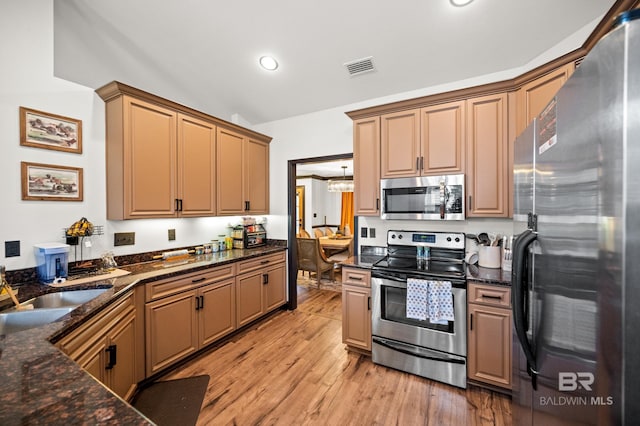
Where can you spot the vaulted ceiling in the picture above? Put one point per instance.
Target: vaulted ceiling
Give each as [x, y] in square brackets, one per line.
[205, 53]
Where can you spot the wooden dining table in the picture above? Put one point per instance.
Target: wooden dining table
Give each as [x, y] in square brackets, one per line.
[332, 245]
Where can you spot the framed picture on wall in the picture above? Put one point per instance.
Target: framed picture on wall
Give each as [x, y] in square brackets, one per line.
[46, 182]
[50, 131]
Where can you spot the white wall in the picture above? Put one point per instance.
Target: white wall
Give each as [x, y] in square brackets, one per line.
[321, 202]
[26, 37]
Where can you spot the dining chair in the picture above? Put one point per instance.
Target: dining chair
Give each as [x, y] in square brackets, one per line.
[311, 258]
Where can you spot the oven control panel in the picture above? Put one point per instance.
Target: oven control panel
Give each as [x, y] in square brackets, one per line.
[449, 240]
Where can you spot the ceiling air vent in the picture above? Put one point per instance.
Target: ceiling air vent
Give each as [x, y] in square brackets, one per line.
[360, 66]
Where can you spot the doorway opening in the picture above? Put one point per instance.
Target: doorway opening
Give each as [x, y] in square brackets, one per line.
[300, 218]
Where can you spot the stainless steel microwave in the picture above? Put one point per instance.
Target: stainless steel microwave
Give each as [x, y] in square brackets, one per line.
[423, 198]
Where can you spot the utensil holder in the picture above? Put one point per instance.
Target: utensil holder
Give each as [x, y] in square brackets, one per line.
[489, 256]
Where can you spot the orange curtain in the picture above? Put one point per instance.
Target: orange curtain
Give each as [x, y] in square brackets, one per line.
[346, 214]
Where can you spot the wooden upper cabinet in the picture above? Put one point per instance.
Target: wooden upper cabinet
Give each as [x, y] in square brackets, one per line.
[230, 172]
[243, 174]
[163, 160]
[535, 95]
[426, 141]
[366, 166]
[442, 138]
[487, 156]
[400, 144]
[141, 160]
[256, 173]
[196, 166]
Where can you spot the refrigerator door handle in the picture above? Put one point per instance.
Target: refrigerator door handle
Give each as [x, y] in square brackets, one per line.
[518, 291]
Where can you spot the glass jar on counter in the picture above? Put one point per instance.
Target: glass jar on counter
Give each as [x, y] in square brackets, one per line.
[215, 246]
[222, 243]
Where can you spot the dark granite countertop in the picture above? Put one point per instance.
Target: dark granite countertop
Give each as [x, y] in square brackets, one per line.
[41, 385]
[488, 275]
[362, 261]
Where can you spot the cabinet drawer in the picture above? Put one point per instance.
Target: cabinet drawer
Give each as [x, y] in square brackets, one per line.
[355, 276]
[261, 262]
[167, 287]
[87, 334]
[491, 295]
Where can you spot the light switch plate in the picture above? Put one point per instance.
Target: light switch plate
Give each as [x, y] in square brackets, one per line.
[11, 248]
[172, 234]
[363, 232]
[372, 232]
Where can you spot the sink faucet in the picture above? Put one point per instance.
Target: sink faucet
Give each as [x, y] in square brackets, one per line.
[4, 285]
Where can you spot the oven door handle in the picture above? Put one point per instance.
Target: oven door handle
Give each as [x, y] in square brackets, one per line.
[401, 348]
[384, 276]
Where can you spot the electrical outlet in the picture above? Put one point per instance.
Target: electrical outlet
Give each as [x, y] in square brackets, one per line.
[372, 232]
[124, 238]
[172, 234]
[11, 248]
[363, 232]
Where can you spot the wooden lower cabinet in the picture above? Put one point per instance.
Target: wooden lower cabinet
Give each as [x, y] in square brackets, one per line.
[110, 346]
[489, 335]
[260, 291]
[179, 325]
[356, 308]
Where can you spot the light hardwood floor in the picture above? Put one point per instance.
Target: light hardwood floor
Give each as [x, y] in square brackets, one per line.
[293, 369]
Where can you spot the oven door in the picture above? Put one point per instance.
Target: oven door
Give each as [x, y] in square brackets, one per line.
[389, 320]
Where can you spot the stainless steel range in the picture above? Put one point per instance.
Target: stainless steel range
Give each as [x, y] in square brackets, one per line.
[428, 347]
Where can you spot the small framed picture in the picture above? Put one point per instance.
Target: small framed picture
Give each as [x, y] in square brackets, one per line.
[46, 182]
[50, 131]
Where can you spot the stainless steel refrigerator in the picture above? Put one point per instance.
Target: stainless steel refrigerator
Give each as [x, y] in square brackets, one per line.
[576, 266]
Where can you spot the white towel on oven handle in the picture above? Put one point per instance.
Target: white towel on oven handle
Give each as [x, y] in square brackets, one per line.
[440, 302]
[417, 298]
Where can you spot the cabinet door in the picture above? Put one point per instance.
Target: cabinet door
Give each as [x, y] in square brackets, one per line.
[487, 164]
[366, 166]
[489, 341]
[275, 288]
[535, 95]
[230, 172]
[249, 294]
[256, 169]
[400, 144]
[442, 138]
[149, 160]
[217, 316]
[171, 330]
[356, 317]
[122, 377]
[196, 166]
[93, 360]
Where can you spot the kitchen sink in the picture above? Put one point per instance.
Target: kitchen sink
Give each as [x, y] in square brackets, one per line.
[64, 299]
[12, 322]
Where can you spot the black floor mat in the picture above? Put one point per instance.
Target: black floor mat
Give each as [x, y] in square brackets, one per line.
[173, 402]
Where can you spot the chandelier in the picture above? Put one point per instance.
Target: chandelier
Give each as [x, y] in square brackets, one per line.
[341, 185]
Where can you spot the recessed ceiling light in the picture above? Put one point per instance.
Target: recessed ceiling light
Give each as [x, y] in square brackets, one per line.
[268, 63]
[460, 3]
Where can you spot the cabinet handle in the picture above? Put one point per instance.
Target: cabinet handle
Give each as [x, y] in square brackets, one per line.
[369, 303]
[377, 203]
[180, 204]
[488, 296]
[198, 280]
[264, 262]
[112, 351]
[176, 206]
[354, 278]
[265, 278]
[470, 199]
[201, 302]
[470, 322]
[417, 163]
[247, 205]
[197, 303]
[421, 163]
